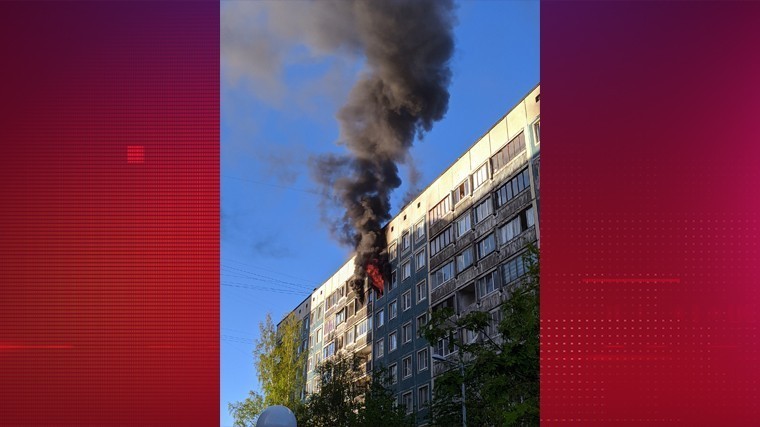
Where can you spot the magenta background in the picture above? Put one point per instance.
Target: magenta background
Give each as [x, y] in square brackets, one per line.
[651, 170]
[109, 295]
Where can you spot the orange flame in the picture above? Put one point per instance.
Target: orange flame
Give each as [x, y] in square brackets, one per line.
[376, 277]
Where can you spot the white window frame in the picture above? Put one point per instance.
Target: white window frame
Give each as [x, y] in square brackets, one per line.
[392, 338]
[406, 305]
[423, 360]
[406, 337]
[404, 360]
[417, 264]
[417, 289]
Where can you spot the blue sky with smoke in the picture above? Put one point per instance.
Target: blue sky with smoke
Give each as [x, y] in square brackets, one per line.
[283, 82]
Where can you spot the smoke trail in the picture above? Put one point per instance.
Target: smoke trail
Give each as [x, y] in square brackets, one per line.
[403, 91]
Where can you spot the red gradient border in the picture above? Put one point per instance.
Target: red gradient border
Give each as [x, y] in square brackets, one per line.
[109, 177]
[650, 211]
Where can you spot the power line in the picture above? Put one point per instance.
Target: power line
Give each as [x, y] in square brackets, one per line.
[264, 288]
[269, 270]
[316, 193]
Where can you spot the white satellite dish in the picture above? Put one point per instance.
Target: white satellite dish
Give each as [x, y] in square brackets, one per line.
[276, 416]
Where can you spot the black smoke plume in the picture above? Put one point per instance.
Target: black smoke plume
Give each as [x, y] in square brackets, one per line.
[407, 45]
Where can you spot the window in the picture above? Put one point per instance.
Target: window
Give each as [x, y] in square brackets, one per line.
[350, 336]
[362, 327]
[392, 252]
[392, 341]
[530, 219]
[486, 246]
[380, 318]
[422, 360]
[379, 348]
[510, 230]
[423, 396]
[480, 176]
[483, 210]
[508, 153]
[512, 269]
[351, 309]
[487, 284]
[406, 300]
[319, 334]
[406, 367]
[340, 316]
[393, 374]
[493, 326]
[463, 224]
[392, 309]
[441, 241]
[440, 210]
[537, 132]
[419, 230]
[421, 291]
[443, 347]
[329, 350]
[469, 336]
[512, 188]
[462, 191]
[329, 325]
[464, 259]
[406, 270]
[406, 333]
[408, 401]
[442, 275]
[392, 283]
[406, 243]
[421, 322]
[419, 259]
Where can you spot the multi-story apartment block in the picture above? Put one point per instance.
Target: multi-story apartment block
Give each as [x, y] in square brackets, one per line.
[459, 244]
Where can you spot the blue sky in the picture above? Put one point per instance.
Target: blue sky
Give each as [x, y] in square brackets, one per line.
[275, 115]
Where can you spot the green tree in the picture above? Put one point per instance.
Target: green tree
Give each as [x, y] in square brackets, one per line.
[279, 369]
[346, 398]
[501, 368]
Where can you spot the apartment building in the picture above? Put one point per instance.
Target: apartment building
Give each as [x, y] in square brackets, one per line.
[459, 244]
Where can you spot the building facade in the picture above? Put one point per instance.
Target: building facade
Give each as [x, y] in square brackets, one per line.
[459, 244]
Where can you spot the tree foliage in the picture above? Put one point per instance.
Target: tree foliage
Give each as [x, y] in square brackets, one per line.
[345, 398]
[279, 368]
[501, 366]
